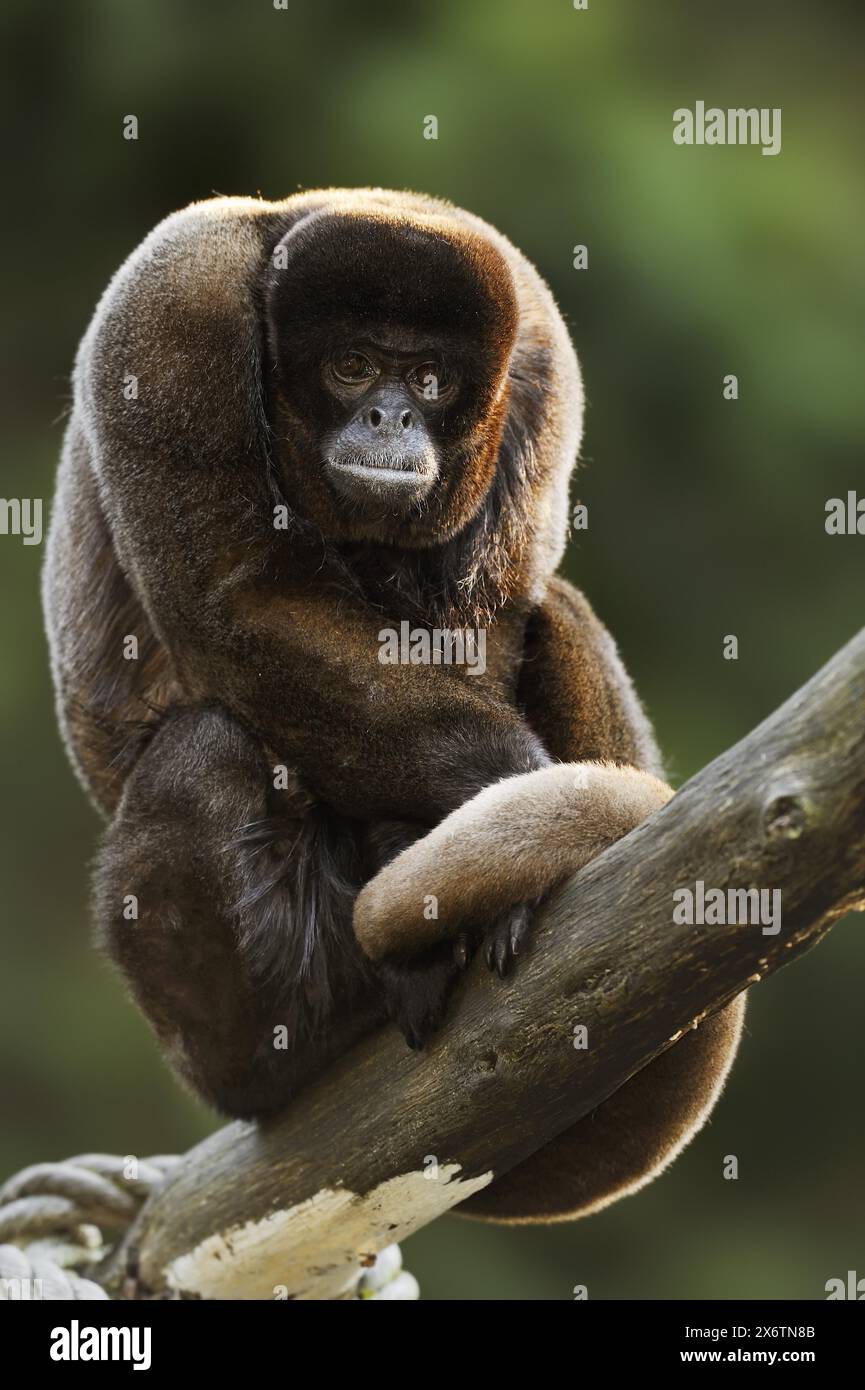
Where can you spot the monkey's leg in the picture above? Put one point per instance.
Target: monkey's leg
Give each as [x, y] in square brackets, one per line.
[578, 697]
[507, 843]
[625, 1142]
[228, 909]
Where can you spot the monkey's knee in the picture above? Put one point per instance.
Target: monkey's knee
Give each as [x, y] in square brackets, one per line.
[161, 864]
[628, 1140]
[228, 908]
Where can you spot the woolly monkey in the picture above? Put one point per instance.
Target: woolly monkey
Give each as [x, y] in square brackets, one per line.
[296, 425]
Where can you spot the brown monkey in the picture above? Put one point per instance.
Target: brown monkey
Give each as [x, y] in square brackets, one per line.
[296, 425]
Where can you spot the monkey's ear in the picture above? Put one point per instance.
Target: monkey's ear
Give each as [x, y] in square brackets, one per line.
[179, 325]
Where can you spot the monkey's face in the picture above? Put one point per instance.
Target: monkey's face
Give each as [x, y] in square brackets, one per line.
[389, 347]
[383, 457]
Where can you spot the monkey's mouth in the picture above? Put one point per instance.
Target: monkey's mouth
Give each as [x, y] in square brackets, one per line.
[368, 479]
[365, 465]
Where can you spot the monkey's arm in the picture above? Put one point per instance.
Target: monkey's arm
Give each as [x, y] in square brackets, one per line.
[168, 416]
[301, 667]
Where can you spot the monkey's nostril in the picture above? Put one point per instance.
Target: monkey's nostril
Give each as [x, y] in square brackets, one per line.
[375, 417]
[405, 419]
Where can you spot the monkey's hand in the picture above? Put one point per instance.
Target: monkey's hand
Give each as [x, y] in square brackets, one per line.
[416, 991]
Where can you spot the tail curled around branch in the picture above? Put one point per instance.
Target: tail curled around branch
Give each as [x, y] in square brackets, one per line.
[511, 843]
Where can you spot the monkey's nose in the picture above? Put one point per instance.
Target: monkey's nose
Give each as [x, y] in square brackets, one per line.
[376, 418]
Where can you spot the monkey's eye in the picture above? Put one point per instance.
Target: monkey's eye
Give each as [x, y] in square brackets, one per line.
[353, 366]
[428, 379]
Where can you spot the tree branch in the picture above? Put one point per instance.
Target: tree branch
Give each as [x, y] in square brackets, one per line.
[299, 1202]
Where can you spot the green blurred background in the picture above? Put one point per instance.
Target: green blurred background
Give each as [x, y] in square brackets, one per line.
[706, 516]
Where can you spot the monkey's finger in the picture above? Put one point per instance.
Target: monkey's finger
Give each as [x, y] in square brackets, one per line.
[462, 950]
[497, 954]
[503, 954]
[521, 926]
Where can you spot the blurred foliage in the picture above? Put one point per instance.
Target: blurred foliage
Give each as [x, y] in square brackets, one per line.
[706, 516]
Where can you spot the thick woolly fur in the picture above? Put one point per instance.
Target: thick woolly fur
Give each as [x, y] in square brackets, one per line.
[261, 770]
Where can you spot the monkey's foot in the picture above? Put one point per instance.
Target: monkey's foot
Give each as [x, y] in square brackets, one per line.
[416, 992]
[502, 942]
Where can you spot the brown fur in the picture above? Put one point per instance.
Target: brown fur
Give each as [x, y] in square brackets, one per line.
[260, 646]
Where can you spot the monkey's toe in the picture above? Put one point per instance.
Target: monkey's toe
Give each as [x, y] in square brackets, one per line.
[507, 938]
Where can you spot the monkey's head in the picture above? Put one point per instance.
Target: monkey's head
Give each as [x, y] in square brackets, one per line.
[389, 340]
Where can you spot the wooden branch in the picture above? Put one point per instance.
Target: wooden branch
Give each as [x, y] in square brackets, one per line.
[294, 1206]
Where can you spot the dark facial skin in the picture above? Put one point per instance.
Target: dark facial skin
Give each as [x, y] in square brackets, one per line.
[383, 452]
